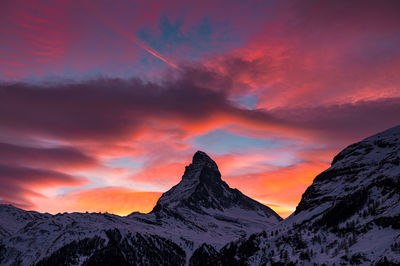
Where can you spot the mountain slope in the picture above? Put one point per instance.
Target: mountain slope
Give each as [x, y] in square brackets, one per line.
[349, 215]
[203, 189]
[201, 208]
[365, 172]
[205, 201]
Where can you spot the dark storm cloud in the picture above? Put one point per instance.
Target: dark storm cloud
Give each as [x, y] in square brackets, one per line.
[345, 122]
[107, 109]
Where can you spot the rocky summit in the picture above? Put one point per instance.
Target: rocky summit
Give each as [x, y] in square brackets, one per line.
[202, 191]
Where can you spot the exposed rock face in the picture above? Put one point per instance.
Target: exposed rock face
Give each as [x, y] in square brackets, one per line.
[200, 209]
[364, 172]
[202, 189]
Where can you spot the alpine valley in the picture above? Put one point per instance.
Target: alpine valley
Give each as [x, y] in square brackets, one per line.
[349, 215]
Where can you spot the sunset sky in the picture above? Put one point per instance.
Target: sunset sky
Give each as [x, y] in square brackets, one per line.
[103, 103]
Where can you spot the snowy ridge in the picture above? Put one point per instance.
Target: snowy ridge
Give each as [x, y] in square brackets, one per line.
[349, 215]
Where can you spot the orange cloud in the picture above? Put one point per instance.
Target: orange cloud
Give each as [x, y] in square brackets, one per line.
[164, 175]
[281, 188]
[121, 201]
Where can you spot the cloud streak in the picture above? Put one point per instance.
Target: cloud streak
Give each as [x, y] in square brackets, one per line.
[129, 36]
[57, 157]
[20, 184]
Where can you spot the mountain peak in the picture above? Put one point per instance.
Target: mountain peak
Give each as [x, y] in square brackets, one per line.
[203, 171]
[201, 158]
[202, 190]
[201, 163]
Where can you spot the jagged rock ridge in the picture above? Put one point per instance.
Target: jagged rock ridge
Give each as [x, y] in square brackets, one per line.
[202, 189]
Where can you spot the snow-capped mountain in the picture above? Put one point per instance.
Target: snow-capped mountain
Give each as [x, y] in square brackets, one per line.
[202, 189]
[202, 208]
[349, 215]
[209, 204]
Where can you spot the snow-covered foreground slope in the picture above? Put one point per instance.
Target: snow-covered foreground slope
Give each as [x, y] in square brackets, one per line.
[349, 215]
[200, 209]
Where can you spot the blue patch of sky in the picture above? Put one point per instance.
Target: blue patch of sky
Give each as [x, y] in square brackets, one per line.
[222, 142]
[248, 101]
[126, 162]
[91, 185]
[200, 37]
[96, 177]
